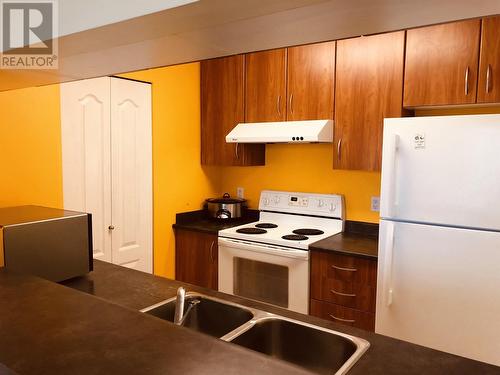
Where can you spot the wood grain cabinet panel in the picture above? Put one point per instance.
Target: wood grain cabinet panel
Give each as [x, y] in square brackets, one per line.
[369, 88]
[343, 288]
[441, 64]
[2, 257]
[222, 107]
[488, 90]
[196, 258]
[343, 315]
[344, 280]
[349, 269]
[311, 81]
[266, 86]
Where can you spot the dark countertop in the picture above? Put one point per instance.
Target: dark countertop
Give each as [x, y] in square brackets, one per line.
[50, 329]
[358, 239]
[349, 244]
[199, 222]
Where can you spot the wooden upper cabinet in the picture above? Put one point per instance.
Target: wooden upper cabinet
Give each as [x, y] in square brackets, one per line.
[266, 86]
[311, 81]
[488, 90]
[442, 64]
[369, 87]
[222, 107]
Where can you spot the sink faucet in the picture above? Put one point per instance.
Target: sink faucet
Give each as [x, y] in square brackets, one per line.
[179, 306]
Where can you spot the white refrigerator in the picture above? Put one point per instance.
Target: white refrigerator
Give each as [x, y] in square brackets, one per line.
[439, 251]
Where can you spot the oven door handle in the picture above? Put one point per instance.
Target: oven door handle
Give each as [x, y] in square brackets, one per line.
[261, 248]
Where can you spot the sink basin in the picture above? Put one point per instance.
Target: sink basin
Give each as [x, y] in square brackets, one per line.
[206, 315]
[318, 350]
[314, 348]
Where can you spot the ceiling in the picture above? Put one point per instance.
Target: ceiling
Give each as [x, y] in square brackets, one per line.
[78, 15]
[212, 28]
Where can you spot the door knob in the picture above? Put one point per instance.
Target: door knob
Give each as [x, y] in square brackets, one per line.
[111, 227]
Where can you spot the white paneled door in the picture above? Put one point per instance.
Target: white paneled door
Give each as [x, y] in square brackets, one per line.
[107, 165]
[131, 173]
[85, 132]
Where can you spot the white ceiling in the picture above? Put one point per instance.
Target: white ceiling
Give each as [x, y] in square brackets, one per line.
[212, 28]
[80, 15]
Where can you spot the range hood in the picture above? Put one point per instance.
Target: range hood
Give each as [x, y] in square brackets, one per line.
[282, 132]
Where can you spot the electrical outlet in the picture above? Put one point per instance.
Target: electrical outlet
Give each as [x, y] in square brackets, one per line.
[240, 192]
[375, 204]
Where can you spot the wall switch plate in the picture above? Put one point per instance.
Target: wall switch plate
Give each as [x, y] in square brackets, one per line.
[240, 192]
[375, 205]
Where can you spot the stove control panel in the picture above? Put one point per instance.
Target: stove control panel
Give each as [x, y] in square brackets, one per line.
[298, 201]
[327, 205]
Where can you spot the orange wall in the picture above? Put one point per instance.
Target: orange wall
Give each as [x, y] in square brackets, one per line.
[308, 168]
[305, 168]
[30, 153]
[30, 147]
[180, 183]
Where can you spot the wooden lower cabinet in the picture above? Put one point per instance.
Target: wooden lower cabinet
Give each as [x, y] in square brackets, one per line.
[344, 288]
[356, 296]
[196, 258]
[343, 315]
[2, 260]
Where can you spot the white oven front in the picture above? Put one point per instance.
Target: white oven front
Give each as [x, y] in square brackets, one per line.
[266, 273]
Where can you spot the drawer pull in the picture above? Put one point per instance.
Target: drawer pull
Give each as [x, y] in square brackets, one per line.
[212, 251]
[344, 269]
[488, 74]
[342, 294]
[467, 81]
[342, 320]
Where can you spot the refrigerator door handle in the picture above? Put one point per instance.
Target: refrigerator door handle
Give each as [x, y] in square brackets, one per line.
[391, 198]
[389, 253]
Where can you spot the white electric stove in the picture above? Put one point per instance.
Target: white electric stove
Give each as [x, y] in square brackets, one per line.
[268, 260]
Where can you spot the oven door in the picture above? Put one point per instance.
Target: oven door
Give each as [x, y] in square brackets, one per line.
[266, 273]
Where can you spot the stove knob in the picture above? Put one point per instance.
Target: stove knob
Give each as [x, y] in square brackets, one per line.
[266, 201]
[332, 207]
[276, 199]
[321, 203]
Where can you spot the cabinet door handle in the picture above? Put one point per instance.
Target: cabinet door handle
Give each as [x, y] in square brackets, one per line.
[236, 151]
[342, 294]
[488, 76]
[291, 103]
[342, 320]
[212, 258]
[278, 105]
[344, 268]
[339, 148]
[111, 227]
[466, 81]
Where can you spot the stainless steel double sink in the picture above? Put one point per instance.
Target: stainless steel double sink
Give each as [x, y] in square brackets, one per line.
[314, 348]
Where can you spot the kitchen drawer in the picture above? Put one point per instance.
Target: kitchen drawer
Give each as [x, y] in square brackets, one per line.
[344, 268]
[344, 280]
[343, 315]
[354, 295]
